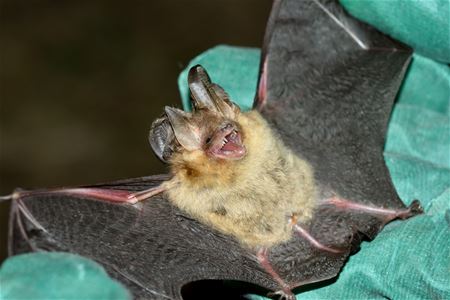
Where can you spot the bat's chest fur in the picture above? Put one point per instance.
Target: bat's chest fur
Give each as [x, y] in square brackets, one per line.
[252, 198]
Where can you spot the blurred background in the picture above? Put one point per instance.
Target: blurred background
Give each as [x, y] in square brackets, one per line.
[81, 82]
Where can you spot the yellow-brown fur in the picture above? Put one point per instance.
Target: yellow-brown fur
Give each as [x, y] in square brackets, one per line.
[251, 198]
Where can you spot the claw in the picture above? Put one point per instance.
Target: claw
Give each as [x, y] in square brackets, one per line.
[282, 295]
[415, 208]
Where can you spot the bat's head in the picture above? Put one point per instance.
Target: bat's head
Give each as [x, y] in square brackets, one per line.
[211, 127]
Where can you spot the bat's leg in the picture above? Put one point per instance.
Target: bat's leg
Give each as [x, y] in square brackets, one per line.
[389, 214]
[305, 234]
[111, 195]
[263, 259]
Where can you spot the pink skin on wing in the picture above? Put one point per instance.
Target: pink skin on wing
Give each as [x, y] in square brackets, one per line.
[262, 88]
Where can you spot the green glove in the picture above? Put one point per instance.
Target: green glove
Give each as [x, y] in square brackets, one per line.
[59, 276]
[422, 24]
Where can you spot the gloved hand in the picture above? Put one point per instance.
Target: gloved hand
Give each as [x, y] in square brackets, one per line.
[54, 275]
[408, 260]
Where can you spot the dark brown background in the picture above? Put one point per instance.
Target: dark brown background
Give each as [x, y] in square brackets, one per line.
[81, 82]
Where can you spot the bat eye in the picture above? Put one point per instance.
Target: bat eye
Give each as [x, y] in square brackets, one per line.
[208, 140]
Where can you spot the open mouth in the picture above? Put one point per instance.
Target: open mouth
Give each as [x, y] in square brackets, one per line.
[227, 143]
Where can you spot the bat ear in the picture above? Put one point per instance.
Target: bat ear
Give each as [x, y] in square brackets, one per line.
[162, 139]
[207, 95]
[186, 133]
[227, 106]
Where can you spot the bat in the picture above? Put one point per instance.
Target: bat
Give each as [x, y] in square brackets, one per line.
[314, 139]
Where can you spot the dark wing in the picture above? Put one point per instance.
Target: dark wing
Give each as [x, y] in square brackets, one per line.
[327, 84]
[154, 249]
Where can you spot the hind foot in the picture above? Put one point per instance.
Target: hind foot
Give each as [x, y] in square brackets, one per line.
[284, 294]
